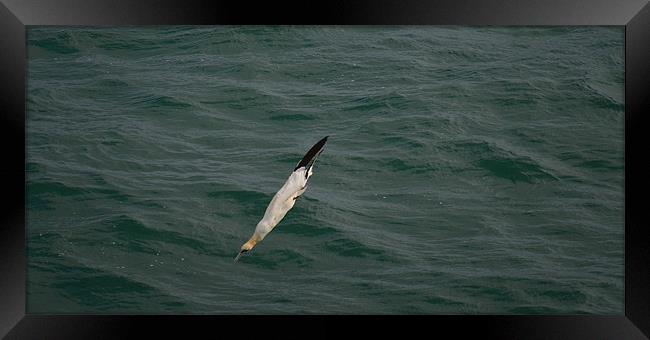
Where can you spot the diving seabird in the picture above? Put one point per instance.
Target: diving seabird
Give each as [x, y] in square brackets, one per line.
[285, 198]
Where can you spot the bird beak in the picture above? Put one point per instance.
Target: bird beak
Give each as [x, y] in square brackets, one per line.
[239, 255]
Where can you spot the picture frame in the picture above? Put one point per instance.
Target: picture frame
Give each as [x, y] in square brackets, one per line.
[16, 16]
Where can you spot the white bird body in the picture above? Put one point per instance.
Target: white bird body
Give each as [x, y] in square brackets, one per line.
[285, 198]
[282, 202]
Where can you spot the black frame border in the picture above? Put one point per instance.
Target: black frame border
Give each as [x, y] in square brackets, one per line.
[16, 15]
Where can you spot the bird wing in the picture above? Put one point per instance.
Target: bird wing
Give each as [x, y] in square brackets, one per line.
[309, 158]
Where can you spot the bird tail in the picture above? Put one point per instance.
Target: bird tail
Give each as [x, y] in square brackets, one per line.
[311, 155]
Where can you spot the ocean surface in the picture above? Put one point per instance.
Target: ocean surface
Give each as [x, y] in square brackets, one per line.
[469, 170]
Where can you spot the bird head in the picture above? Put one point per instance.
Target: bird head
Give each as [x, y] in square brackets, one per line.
[246, 247]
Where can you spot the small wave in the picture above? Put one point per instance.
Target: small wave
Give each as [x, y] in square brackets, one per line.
[414, 167]
[399, 141]
[244, 196]
[350, 248]
[373, 103]
[163, 102]
[295, 117]
[240, 202]
[137, 236]
[35, 189]
[275, 258]
[605, 96]
[396, 43]
[465, 54]
[572, 296]
[60, 44]
[442, 301]
[533, 310]
[95, 288]
[501, 163]
[111, 83]
[601, 165]
[40, 194]
[515, 169]
[306, 229]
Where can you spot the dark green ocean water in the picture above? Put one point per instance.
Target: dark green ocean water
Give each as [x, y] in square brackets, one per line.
[469, 169]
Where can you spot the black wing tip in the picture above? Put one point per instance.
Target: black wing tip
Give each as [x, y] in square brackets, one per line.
[312, 153]
[322, 141]
[318, 147]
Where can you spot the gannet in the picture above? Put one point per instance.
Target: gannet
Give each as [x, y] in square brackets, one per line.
[285, 198]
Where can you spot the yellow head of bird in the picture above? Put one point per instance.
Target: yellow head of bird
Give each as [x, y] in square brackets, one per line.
[246, 247]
